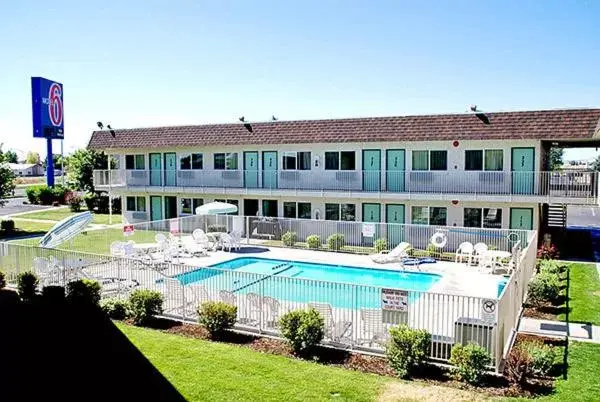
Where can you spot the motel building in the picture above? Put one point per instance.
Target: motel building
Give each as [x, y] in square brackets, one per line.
[488, 171]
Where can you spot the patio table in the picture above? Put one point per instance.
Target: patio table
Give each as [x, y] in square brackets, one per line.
[215, 237]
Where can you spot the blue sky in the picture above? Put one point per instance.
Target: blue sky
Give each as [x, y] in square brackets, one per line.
[146, 63]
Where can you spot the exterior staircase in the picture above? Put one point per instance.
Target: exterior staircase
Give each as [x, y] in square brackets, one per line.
[556, 216]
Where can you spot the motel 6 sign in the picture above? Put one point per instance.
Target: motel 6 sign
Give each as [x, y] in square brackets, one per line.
[48, 109]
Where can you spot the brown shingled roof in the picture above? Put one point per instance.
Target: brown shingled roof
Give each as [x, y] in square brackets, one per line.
[569, 124]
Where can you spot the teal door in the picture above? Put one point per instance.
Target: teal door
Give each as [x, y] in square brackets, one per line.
[251, 169]
[394, 216]
[521, 218]
[269, 169]
[371, 213]
[371, 169]
[155, 170]
[170, 169]
[394, 166]
[156, 208]
[522, 160]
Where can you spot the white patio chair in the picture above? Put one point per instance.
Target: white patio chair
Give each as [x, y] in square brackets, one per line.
[228, 297]
[201, 238]
[270, 312]
[129, 249]
[44, 270]
[395, 255]
[227, 242]
[236, 235]
[479, 250]
[116, 249]
[373, 330]
[464, 252]
[334, 330]
[253, 309]
[177, 299]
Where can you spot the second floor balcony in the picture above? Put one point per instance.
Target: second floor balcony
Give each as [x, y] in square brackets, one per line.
[575, 187]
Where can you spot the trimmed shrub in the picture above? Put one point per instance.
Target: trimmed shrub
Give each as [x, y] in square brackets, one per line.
[90, 201]
[432, 251]
[145, 304]
[59, 193]
[548, 252]
[314, 241]
[217, 317]
[542, 357]
[544, 287]
[217, 228]
[53, 294]
[2, 280]
[551, 267]
[27, 283]
[84, 291]
[33, 194]
[75, 203]
[336, 242]
[289, 238]
[381, 244]
[470, 362]
[116, 309]
[407, 348]
[45, 195]
[8, 226]
[303, 329]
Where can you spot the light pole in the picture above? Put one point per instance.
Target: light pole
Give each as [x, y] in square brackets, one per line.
[112, 132]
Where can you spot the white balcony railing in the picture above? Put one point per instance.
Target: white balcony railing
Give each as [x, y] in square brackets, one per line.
[582, 184]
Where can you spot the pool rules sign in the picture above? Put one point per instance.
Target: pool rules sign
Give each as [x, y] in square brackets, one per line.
[394, 300]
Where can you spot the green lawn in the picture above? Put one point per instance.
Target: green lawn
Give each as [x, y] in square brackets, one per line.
[584, 294]
[583, 373]
[57, 214]
[211, 371]
[25, 228]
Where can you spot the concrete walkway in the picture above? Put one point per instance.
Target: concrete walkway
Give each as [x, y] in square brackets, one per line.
[558, 329]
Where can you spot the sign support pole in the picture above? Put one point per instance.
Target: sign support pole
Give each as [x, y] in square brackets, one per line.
[62, 161]
[49, 163]
[109, 192]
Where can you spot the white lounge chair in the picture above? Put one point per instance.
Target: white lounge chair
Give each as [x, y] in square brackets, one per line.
[396, 254]
[334, 330]
[253, 309]
[116, 249]
[228, 297]
[193, 248]
[372, 329]
[464, 252]
[45, 271]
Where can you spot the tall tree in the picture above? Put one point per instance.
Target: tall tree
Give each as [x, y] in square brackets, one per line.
[596, 164]
[10, 157]
[32, 157]
[555, 158]
[7, 185]
[82, 164]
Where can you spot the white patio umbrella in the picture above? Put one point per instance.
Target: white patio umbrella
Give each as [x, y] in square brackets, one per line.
[214, 208]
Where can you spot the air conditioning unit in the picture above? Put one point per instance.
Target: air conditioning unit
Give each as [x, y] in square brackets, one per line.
[474, 330]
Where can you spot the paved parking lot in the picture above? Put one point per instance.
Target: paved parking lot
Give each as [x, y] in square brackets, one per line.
[583, 216]
[15, 206]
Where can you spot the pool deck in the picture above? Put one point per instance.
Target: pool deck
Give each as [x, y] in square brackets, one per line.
[457, 278]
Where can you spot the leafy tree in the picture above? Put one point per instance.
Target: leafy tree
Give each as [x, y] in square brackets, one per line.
[596, 164]
[7, 185]
[10, 157]
[56, 159]
[555, 158]
[82, 164]
[32, 157]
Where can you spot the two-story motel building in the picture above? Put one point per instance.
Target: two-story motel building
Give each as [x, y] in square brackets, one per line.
[450, 170]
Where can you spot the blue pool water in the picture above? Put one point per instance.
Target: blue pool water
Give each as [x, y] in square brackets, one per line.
[287, 280]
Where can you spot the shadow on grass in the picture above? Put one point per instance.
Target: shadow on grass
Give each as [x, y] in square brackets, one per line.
[63, 352]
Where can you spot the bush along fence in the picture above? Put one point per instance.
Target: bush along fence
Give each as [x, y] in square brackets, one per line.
[355, 316]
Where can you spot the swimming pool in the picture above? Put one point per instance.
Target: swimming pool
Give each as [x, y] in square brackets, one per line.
[305, 282]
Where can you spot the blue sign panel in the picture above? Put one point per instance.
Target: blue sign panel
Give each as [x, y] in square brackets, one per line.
[48, 110]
